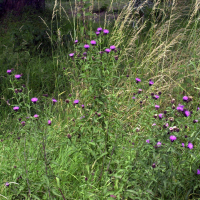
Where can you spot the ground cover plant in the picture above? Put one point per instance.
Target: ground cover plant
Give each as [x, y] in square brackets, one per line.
[101, 109]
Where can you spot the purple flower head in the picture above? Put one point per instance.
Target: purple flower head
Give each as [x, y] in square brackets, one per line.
[83, 106]
[198, 171]
[190, 145]
[157, 107]
[137, 80]
[105, 31]
[107, 50]
[160, 115]
[154, 165]
[76, 41]
[159, 144]
[18, 76]
[180, 107]
[197, 108]
[185, 98]
[113, 196]
[112, 47]
[147, 141]
[154, 124]
[182, 144]
[133, 97]
[195, 121]
[9, 71]
[16, 108]
[34, 99]
[23, 123]
[49, 122]
[93, 42]
[172, 138]
[86, 46]
[7, 184]
[187, 113]
[97, 33]
[139, 91]
[151, 82]
[54, 101]
[156, 97]
[36, 116]
[71, 55]
[99, 29]
[76, 101]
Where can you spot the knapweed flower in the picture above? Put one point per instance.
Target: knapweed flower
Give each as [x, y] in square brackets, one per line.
[105, 31]
[17, 76]
[71, 55]
[180, 107]
[197, 108]
[107, 50]
[34, 99]
[156, 97]
[185, 98]
[112, 47]
[7, 184]
[23, 123]
[36, 116]
[82, 106]
[182, 144]
[97, 33]
[159, 144]
[151, 82]
[190, 145]
[86, 46]
[147, 141]
[157, 107]
[198, 171]
[133, 97]
[76, 101]
[99, 29]
[137, 80]
[139, 91]
[154, 124]
[187, 113]
[49, 122]
[172, 138]
[93, 42]
[154, 165]
[54, 101]
[76, 41]
[9, 71]
[16, 108]
[195, 121]
[160, 115]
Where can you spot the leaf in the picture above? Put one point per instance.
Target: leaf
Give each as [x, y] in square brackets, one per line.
[99, 158]
[87, 5]
[88, 14]
[58, 182]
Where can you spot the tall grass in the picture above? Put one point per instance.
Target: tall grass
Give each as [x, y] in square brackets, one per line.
[115, 119]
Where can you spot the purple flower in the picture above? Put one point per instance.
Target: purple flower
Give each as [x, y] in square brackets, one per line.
[23, 123]
[34, 99]
[159, 144]
[9, 71]
[49, 122]
[147, 141]
[180, 107]
[76, 41]
[93, 42]
[99, 29]
[113, 196]
[83, 106]
[190, 145]
[156, 97]
[76, 101]
[182, 144]
[154, 124]
[157, 107]
[160, 115]
[7, 184]
[198, 171]
[133, 97]
[185, 98]
[105, 31]
[97, 33]
[18, 76]
[71, 55]
[112, 47]
[172, 138]
[54, 101]
[107, 50]
[137, 80]
[36, 116]
[195, 121]
[151, 82]
[187, 113]
[154, 165]
[16, 108]
[86, 46]
[197, 108]
[139, 91]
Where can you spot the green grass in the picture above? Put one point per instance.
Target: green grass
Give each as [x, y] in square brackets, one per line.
[99, 150]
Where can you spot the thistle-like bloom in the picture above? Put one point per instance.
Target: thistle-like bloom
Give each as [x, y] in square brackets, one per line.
[16, 108]
[154, 124]
[139, 91]
[156, 97]
[107, 50]
[34, 99]
[159, 144]
[112, 47]
[36, 116]
[93, 42]
[86, 46]
[180, 107]
[183, 145]
[76, 41]
[49, 122]
[71, 55]
[133, 97]
[82, 106]
[198, 171]
[151, 82]
[7, 184]
[76, 101]
[160, 115]
[154, 165]
[147, 141]
[157, 107]
[23, 123]
[185, 98]
[99, 29]
[137, 80]
[9, 71]
[54, 101]
[105, 31]
[172, 138]
[190, 145]
[187, 113]
[97, 33]
[17, 76]
[195, 121]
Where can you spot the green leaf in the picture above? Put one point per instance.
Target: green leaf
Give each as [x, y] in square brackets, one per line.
[58, 182]
[88, 14]
[87, 5]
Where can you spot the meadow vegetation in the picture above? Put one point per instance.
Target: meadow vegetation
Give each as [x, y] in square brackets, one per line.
[93, 107]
